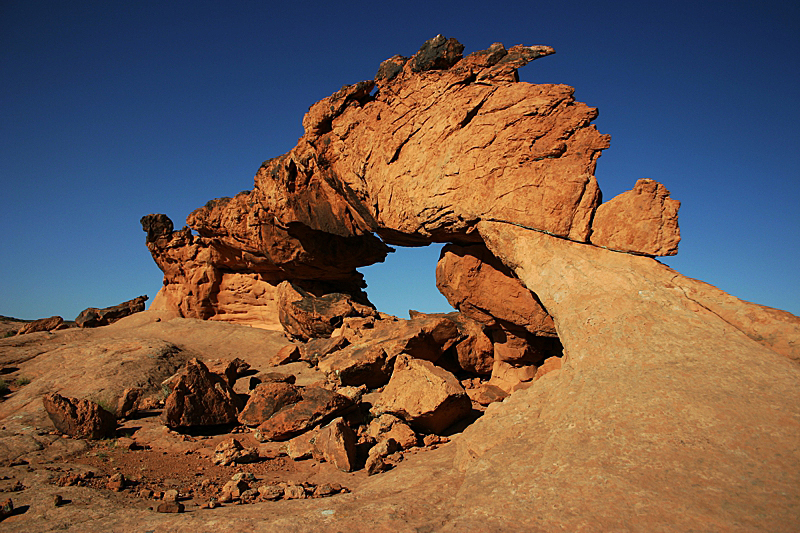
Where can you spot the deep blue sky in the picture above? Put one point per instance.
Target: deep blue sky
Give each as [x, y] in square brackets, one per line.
[110, 110]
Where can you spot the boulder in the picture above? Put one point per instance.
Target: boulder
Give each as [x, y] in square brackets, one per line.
[424, 395]
[266, 400]
[376, 458]
[388, 426]
[228, 370]
[288, 354]
[305, 316]
[317, 406]
[128, 403]
[43, 324]
[316, 349]
[475, 352]
[336, 443]
[200, 398]
[79, 417]
[487, 393]
[93, 317]
[231, 451]
[550, 364]
[507, 376]
[515, 345]
[231, 370]
[481, 287]
[359, 365]
[640, 221]
[370, 358]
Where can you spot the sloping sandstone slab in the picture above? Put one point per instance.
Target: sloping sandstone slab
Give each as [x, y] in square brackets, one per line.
[661, 405]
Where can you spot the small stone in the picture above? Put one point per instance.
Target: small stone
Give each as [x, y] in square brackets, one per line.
[326, 489]
[270, 492]
[126, 443]
[243, 476]
[235, 488]
[6, 508]
[170, 507]
[294, 492]
[146, 494]
[170, 495]
[58, 500]
[116, 482]
[432, 440]
[249, 495]
[375, 465]
[128, 403]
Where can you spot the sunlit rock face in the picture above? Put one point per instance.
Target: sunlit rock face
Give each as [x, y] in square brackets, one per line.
[609, 373]
[432, 146]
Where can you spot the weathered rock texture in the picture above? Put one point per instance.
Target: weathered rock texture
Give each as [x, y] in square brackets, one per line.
[316, 406]
[305, 316]
[93, 317]
[505, 150]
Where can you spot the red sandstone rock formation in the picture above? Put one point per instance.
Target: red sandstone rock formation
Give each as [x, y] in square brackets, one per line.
[505, 150]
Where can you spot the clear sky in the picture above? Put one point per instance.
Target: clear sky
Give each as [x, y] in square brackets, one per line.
[110, 110]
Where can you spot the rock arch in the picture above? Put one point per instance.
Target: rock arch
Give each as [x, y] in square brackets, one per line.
[434, 146]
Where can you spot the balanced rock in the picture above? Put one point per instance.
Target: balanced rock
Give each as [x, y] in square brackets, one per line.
[200, 398]
[365, 364]
[426, 396]
[641, 221]
[79, 417]
[93, 317]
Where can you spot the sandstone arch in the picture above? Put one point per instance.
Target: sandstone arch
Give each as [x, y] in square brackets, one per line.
[674, 395]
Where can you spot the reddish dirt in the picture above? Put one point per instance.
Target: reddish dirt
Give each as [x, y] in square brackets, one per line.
[163, 460]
